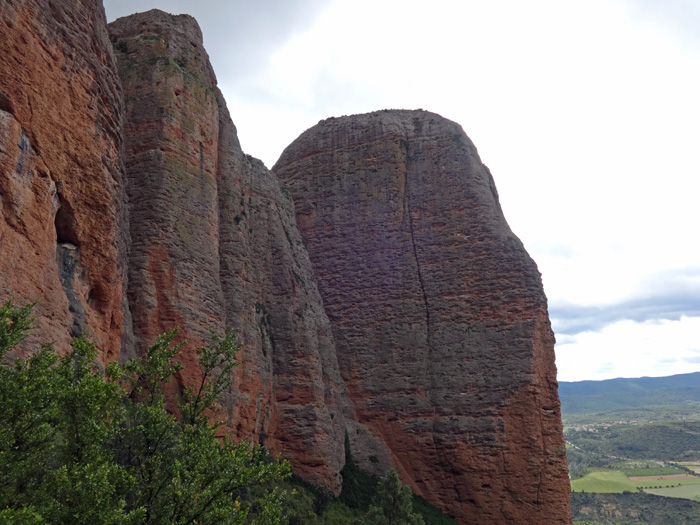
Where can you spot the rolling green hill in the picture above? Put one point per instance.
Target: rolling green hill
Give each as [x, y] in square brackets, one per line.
[582, 397]
[668, 441]
[587, 404]
[635, 384]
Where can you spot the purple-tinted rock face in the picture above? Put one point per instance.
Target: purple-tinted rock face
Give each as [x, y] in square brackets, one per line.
[128, 208]
[438, 314]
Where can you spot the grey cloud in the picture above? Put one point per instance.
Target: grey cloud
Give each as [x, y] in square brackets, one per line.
[238, 34]
[664, 296]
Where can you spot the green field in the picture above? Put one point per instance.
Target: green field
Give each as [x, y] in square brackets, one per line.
[690, 491]
[653, 482]
[603, 482]
[633, 471]
[611, 482]
[695, 467]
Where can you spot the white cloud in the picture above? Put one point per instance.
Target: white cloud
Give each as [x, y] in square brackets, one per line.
[586, 112]
[631, 349]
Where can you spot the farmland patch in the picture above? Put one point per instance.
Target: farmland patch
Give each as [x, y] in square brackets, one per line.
[661, 478]
[684, 491]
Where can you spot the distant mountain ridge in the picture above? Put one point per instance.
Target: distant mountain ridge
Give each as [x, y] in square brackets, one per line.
[579, 397]
[623, 384]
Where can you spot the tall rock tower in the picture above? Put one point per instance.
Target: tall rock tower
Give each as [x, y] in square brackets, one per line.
[215, 246]
[438, 313]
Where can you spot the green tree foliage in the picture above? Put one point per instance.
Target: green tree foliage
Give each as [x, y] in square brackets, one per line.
[393, 503]
[83, 445]
[667, 440]
[633, 509]
[359, 492]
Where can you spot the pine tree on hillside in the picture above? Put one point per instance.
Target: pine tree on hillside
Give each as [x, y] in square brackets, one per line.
[393, 503]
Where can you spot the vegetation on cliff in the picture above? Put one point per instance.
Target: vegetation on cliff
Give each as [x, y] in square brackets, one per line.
[393, 503]
[79, 444]
[84, 444]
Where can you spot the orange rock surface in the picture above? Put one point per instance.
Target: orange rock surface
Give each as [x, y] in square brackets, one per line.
[215, 247]
[393, 303]
[62, 231]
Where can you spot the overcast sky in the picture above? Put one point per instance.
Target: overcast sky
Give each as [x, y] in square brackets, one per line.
[587, 114]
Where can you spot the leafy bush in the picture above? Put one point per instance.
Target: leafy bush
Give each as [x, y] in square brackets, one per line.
[79, 445]
[393, 503]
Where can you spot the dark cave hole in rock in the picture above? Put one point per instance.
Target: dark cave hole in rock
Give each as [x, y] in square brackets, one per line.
[68, 260]
[65, 224]
[5, 104]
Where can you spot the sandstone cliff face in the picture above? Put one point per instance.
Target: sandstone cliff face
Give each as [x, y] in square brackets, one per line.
[171, 141]
[288, 389]
[62, 234]
[215, 246]
[438, 314]
[438, 355]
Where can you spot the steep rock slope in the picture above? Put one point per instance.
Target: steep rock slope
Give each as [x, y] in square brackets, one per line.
[142, 201]
[438, 313]
[215, 246]
[62, 234]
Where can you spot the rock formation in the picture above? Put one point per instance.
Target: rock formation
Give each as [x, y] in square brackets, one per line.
[438, 313]
[215, 246]
[127, 207]
[62, 230]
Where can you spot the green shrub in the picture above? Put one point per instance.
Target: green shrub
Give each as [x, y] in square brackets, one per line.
[81, 446]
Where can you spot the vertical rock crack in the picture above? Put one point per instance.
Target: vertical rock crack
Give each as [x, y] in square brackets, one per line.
[407, 213]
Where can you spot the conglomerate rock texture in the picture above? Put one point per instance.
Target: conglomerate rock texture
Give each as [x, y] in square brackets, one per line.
[62, 229]
[215, 247]
[438, 313]
[127, 207]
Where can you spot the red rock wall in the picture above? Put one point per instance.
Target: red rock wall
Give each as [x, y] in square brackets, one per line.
[62, 229]
[171, 142]
[215, 246]
[288, 388]
[141, 202]
[438, 314]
